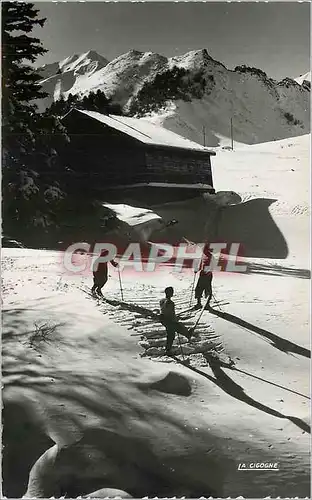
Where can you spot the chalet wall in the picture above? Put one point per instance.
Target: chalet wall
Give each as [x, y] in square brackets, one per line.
[167, 166]
[103, 155]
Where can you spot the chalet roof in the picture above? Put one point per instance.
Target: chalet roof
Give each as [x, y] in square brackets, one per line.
[146, 132]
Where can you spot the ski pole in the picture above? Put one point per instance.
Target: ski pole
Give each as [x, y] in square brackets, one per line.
[120, 284]
[192, 329]
[215, 299]
[192, 290]
[181, 348]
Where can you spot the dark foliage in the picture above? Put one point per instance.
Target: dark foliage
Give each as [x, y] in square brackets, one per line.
[254, 71]
[291, 119]
[94, 101]
[30, 163]
[172, 84]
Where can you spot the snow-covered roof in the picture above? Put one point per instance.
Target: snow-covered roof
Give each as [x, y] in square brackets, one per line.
[146, 132]
[132, 215]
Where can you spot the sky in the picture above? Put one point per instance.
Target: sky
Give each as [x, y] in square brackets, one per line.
[274, 37]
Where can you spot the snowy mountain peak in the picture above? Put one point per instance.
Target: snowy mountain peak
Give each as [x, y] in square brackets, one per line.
[131, 55]
[135, 52]
[76, 64]
[136, 57]
[194, 59]
[94, 54]
[200, 53]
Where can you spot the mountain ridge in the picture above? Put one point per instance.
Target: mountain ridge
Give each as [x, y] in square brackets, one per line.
[262, 108]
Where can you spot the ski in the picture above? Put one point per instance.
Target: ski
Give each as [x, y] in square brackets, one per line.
[220, 303]
[189, 311]
[88, 292]
[184, 361]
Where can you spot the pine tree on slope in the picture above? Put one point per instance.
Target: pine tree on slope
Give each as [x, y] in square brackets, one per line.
[26, 135]
[19, 80]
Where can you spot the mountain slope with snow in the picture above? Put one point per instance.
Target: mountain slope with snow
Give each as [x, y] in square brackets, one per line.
[59, 78]
[118, 79]
[261, 108]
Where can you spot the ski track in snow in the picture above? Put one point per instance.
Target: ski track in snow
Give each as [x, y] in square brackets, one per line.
[150, 333]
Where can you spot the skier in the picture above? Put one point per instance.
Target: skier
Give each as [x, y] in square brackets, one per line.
[100, 273]
[204, 283]
[169, 320]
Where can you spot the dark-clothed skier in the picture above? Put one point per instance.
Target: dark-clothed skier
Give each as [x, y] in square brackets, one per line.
[100, 273]
[169, 319]
[204, 283]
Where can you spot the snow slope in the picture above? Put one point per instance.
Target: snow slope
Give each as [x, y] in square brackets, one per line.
[256, 103]
[279, 172]
[100, 416]
[256, 106]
